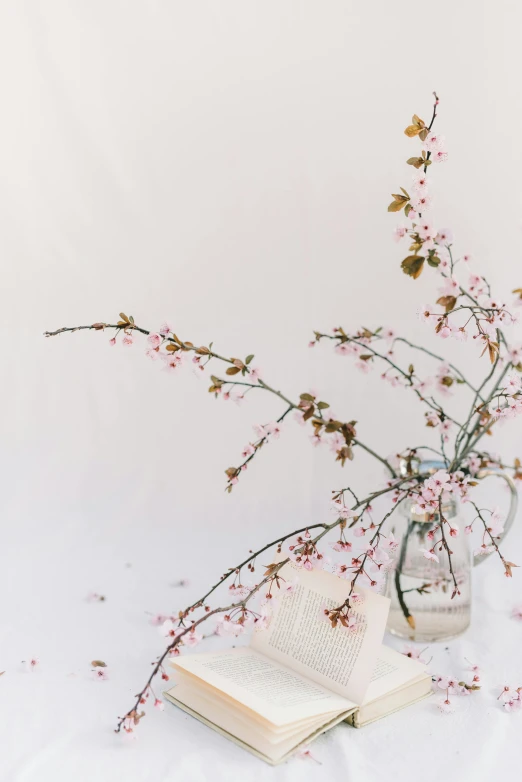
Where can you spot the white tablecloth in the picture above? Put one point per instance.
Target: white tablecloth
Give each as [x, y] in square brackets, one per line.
[56, 723]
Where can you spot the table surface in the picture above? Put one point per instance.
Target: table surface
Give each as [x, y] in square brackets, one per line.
[57, 722]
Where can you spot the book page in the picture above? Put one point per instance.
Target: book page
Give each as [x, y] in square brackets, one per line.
[299, 636]
[392, 671]
[272, 690]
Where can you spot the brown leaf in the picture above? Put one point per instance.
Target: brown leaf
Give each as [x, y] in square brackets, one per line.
[412, 265]
[518, 291]
[124, 317]
[98, 664]
[231, 472]
[417, 162]
[98, 326]
[411, 621]
[423, 134]
[398, 203]
[203, 351]
[448, 302]
[172, 348]
[233, 370]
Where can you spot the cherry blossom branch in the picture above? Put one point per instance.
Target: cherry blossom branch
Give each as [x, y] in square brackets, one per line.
[409, 377]
[487, 531]
[441, 359]
[307, 407]
[132, 717]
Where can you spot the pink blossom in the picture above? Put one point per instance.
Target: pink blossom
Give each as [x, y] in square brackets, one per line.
[445, 332]
[425, 313]
[165, 329]
[439, 156]
[158, 619]
[363, 366]
[444, 236]
[420, 181]
[100, 674]
[159, 704]
[513, 383]
[483, 550]
[399, 232]
[341, 545]
[359, 532]
[112, 341]
[342, 511]
[413, 214]
[247, 451]
[128, 339]
[274, 429]
[254, 374]
[421, 202]
[433, 142]
[428, 554]
[516, 612]
[154, 340]
[347, 349]
[192, 638]
[426, 230]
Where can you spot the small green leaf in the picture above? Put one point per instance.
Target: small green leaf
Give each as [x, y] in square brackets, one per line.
[323, 405]
[249, 358]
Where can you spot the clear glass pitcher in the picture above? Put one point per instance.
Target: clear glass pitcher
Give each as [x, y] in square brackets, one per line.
[420, 589]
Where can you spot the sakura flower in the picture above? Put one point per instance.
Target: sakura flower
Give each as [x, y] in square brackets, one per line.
[439, 156]
[445, 707]
[433, 142]
[128, 339]
[274, 429]
[444, 236]
[516, 612]
[428, 554]
[363, 366]
[165, 329]
[336, 442]
[32, 664]
[421, 202]
[425, 313]
[399, 232]
[513, 383]
[172, 362]
[100, 674]
[444, 332]
[192, 638]
[359, 532]
[299, 417]
[158, 619]
[254, 374]
[426, 230]
[482, 550]
[247, 451]
[420, 181]
[169, 630]
[342, 511]
[508, 694]
[112, 341]
[438, 481]
[159, 704]
[154, 340]
[341, 545]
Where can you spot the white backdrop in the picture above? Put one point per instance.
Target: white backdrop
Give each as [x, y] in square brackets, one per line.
[225, 166]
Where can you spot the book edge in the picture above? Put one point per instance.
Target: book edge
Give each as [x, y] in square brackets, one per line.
[342, 716]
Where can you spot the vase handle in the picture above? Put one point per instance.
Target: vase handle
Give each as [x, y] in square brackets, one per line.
[478, 558]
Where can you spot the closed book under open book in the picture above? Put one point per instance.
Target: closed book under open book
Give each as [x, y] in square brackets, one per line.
[299, 677]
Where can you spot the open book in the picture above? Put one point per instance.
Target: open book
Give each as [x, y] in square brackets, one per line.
[299, 676]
